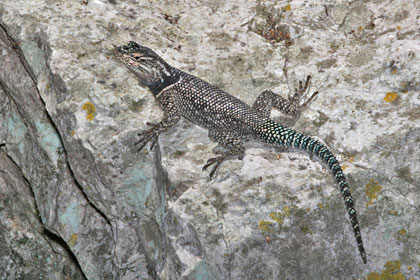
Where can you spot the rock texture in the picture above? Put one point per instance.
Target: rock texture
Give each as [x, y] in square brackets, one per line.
[77, 201]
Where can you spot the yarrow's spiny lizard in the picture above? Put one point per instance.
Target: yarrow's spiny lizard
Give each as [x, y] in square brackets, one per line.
[228, 119]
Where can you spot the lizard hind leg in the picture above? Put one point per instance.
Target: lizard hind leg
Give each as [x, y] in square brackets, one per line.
[291, 106]
[234, 147]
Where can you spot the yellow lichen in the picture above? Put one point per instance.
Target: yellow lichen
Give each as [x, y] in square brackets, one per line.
[73, 132]
[372, 189]
[287, 8]
[390, 96]
[90, 110]
[279, 216]
[286, 211]
[265, 226]
[393, 212]
[398, 27]
[392, 271]
[394, 71]
[344, 166]
[400, 234]
[360, 28]
[73, 240]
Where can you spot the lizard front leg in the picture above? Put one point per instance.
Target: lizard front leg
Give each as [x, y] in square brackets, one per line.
[170, 118]
[291, 106]
[233, 145]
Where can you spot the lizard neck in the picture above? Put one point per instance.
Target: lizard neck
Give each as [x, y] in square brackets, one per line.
[159, 85]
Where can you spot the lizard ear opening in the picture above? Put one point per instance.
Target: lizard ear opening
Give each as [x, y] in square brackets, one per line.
[137, 56]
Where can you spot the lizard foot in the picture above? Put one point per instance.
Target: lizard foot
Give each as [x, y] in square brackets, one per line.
[148, 135]
[216, 161]
[300, 92]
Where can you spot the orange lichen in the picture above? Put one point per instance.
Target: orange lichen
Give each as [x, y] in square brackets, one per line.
[90, 110]
[372, 189]
[390, 96]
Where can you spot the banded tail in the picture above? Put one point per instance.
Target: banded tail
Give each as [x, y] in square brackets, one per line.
[277, 134]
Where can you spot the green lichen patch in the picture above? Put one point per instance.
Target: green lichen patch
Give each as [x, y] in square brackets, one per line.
[306, 230]
[179, 154]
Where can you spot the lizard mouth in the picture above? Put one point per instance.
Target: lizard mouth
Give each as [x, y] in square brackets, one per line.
[124, 57]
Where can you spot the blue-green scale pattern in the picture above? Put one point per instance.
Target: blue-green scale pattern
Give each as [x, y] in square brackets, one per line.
[280, 135]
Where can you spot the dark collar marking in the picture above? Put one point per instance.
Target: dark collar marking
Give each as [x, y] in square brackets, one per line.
[158, 86]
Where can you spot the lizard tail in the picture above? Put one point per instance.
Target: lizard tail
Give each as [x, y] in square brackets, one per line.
[277, 134]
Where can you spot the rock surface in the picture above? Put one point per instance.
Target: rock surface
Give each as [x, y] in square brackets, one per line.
[77, 201]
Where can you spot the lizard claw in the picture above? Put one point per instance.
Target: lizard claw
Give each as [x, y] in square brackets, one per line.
[150, 134]
[216, 161]
[301, 90]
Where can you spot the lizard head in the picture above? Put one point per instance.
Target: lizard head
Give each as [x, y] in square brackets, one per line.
[149, 67]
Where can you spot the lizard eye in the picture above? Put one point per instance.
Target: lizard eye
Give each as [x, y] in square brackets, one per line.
[137, 57]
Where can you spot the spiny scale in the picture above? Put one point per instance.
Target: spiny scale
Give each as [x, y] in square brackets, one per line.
[228, 120]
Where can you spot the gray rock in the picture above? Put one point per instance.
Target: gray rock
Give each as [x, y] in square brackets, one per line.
[79, 201]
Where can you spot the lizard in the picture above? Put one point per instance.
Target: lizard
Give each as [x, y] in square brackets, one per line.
[229, 120]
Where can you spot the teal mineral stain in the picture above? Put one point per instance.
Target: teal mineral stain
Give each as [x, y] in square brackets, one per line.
[138, 186]
[16, 130]
[49, 140]
[34, 56]
[202, 271]
[70, 217]
[156, 254]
